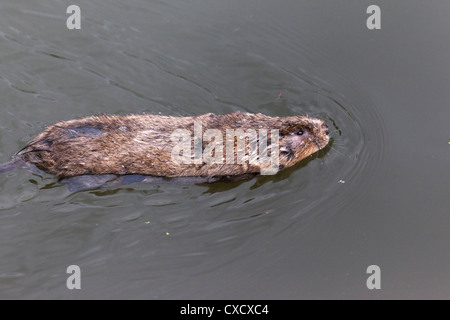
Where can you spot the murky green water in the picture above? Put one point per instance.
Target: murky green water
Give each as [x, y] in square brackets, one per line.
[379, 195]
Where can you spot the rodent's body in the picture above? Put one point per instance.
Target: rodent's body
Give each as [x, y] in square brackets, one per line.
[142, 144]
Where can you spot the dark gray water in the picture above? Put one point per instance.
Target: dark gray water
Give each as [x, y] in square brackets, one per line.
[378, 196]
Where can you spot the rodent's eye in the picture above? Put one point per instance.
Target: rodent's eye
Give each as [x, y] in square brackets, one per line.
[300, 132]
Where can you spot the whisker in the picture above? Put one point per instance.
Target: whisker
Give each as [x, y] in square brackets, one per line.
[335, 149]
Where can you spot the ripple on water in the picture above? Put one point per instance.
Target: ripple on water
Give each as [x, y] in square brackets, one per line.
[228, 215]
[152, 230]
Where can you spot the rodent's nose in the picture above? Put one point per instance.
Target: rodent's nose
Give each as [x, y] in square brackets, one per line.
[325, 128]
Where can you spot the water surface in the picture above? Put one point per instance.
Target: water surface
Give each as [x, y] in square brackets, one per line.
[377, 195]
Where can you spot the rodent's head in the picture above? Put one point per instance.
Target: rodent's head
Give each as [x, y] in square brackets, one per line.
[301, 137]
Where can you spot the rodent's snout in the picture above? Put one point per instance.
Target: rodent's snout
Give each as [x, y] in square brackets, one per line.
[322, 137]
[325, 128]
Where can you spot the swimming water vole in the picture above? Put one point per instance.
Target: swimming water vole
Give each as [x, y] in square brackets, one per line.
[150, 145]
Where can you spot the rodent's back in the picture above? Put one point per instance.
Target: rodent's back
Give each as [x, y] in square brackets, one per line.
[101, 145]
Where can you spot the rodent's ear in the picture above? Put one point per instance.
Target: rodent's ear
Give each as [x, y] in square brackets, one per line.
[284, 132]
[289, 128]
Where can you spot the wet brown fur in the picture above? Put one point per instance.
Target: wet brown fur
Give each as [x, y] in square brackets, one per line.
[141, 144]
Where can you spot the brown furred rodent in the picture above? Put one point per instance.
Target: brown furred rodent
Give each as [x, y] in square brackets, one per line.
[144, 144]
